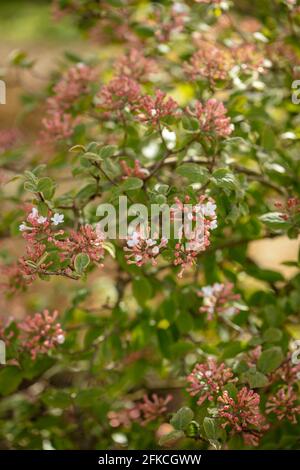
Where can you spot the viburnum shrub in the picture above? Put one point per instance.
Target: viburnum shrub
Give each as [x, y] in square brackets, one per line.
[187, 104]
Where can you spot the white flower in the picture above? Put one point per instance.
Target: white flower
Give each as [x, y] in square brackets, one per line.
[213, 224]
[134, 240]
[60, 339]
[24, 227]
[207, 291]
[34, 213]
[41, 219]
[209, 209]
[155, 250]
[138, 258]
[150, 242]
[153, 112]
[169, 137]
[57, 219]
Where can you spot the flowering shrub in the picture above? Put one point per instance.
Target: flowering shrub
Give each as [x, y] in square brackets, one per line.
[185, 339]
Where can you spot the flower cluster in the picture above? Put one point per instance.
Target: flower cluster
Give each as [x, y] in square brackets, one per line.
[86, 240]
[8, 138]
[141, 248]
[135, 65]
[121, 93]
[242, 415]
[144, 411]
[41, 333]
[209, 62]
[212, 118]
[218, 299]
[194, 233]
[152, 110]
[208, 379]
[172, 24]
[59, 123]
[284, 404]
[57, 127]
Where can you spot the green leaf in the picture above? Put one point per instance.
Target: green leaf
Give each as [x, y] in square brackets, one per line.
[171, 437]
[193, 172]
[274, 220]
[272, 335]
[131, 183]
[182, 418]
[223, 177]
[108, 151]
[270, 359]
[254, 378]
[190, 124]
[81, 262]
[141, 289]
[93, 157]
[10, 379]
[210, 428]
[47, 187]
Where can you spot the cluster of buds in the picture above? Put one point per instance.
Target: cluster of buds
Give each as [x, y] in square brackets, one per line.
[249, 59]
[57, 127]
[172, 24]
[209, 62]
[135, 65]
[241, 415]
[151, 110]
[219, 299]
[208, 379]
[195, 231]
[73, 85]
[144, 411]
[136, 171]
[121, 93]
[86, 240]
[8, 139]
[41, 333]
[212, 118]
[141, 248]
[60, 122]
[284, 404]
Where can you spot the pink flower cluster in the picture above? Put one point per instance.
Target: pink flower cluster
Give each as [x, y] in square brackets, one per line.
[135, 65]
[136, 171]
[284, 404]
[242, 415]
[121, 93]
[8, 138]
[41, 333]
[60, 122]
[194, 237]
[141, 248]
[208, 379]
[86, 240]
[214, 62]
[218, 299]
[209, 62]
[168, 26]
[212, 118]
[145, 411]
[152, 110]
